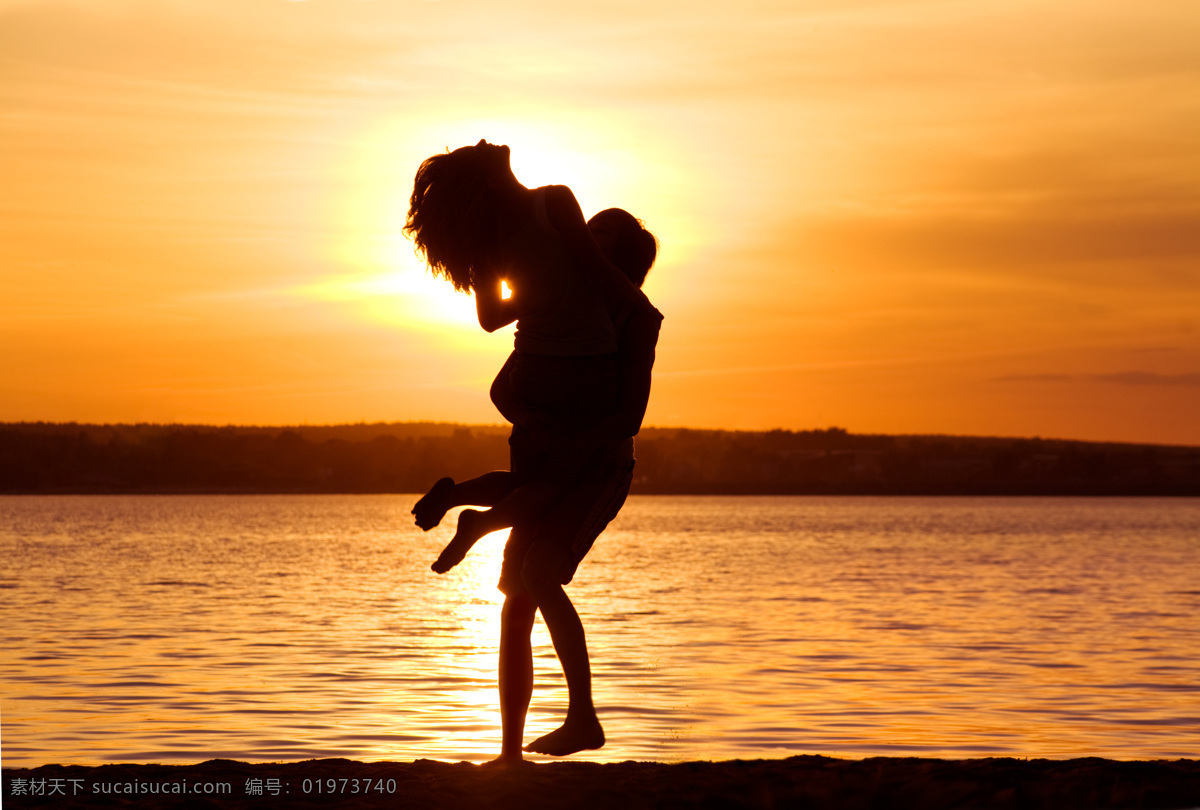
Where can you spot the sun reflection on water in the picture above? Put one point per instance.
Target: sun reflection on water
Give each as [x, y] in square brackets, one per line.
[466, 655]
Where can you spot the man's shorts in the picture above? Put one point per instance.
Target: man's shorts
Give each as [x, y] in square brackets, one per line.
[562, 538]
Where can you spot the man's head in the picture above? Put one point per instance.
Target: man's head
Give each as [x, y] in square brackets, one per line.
[625, 242]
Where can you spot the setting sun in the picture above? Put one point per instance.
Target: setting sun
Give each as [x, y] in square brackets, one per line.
[380, 275]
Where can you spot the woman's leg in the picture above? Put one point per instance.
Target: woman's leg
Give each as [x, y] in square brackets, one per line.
[488, 489]
[522, 506]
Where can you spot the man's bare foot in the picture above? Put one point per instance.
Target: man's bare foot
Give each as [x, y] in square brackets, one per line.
[569, 738]
[468, 533]
[507, 760]
[430, 510]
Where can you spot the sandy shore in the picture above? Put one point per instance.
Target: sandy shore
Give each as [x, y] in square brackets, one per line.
[798, 782]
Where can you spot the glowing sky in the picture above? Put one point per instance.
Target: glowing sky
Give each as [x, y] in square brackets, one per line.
[971, 216]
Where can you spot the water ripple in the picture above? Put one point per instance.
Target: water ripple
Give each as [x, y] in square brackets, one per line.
[306, 627]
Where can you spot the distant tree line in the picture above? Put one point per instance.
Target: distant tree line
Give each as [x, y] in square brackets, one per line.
[408, 457]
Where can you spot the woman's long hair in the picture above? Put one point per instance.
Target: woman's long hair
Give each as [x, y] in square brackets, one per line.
[451, 215]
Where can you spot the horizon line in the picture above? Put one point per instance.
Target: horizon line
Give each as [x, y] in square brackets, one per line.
[504, 426]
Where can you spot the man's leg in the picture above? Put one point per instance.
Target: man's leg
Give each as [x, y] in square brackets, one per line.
[566, 534]
[516, 673]
[581, 730]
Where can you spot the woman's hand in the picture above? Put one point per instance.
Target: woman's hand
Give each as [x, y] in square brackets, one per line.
[494, 311]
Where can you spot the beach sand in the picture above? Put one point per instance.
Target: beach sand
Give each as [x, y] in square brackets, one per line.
[798, 782]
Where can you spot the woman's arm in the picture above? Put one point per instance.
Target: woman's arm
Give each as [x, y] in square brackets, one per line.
[494, 311]
[567, 218]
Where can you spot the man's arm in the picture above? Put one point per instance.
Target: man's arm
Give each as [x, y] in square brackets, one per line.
[635, 362]
[639, 337]
[636, 348]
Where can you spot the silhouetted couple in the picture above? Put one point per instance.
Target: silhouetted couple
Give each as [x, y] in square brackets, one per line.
[575, 389]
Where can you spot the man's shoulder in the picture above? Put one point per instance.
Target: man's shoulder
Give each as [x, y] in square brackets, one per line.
[640, 322]
[643, 306]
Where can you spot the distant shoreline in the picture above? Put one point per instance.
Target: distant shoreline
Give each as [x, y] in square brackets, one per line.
[69, 458]
[730, 492]
[814, 782]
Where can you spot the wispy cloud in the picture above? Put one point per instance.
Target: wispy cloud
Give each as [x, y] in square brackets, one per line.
[1036, 378]
[1147, 378]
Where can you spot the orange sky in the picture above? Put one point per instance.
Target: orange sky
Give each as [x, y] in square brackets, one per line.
[974, 217]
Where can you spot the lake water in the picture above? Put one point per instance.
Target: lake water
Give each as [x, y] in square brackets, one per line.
[270, 628]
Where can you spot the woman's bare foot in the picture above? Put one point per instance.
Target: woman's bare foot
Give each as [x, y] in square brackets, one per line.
[468, 533]
[430, 510]
[569, 738]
